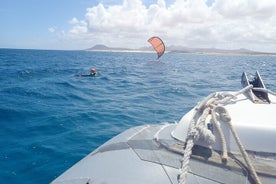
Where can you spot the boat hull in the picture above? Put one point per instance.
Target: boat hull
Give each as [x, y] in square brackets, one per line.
[149, 154]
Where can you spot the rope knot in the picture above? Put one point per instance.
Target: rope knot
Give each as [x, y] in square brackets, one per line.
[205, 135]
[193, 134]
[223, 114]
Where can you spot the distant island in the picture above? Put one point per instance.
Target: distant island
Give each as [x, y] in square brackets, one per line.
[179, 49]
[103, 48]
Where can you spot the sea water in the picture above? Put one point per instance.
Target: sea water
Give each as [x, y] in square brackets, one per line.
[51, 116]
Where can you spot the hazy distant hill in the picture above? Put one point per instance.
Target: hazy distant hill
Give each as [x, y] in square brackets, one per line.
[209, 50]
[100, 47]
[179, 49]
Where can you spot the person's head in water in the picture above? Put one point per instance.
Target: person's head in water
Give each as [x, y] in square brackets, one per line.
[93, 71]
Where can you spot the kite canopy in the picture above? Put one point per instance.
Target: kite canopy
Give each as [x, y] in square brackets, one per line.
[158, 45]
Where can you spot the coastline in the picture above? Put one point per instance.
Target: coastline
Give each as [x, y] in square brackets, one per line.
[184, 52]
[181, 49]
[125, 50]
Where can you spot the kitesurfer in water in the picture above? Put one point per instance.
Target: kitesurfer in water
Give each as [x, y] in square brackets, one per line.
[93, 73]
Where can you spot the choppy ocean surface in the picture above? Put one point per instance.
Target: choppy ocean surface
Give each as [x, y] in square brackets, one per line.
[51, 117]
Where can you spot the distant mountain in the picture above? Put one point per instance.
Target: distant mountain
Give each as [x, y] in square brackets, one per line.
[99, 47]
[179, 49]
[220, 51]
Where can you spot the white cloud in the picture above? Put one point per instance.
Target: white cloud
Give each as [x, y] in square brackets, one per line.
[236, 9]
[74, 21]
[52, 29]
[196, 23]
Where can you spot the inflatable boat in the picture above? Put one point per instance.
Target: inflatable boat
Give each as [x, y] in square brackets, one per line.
[228, 137]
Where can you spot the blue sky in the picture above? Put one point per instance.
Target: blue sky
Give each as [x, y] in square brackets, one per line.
[26, 21]
[80, 24]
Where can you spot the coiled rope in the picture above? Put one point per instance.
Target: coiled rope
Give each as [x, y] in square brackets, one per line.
[195, 133]
[198, 131]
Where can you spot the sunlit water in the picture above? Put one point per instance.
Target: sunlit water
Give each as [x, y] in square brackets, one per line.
[51, 117]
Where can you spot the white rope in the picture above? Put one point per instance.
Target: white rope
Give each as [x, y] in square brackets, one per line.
[198, 131]
[226, 97]
[156, 136]
[224, 154]
[265, 90]
[243, 90]
[243, 151]
[185, 162]
[203, 133]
